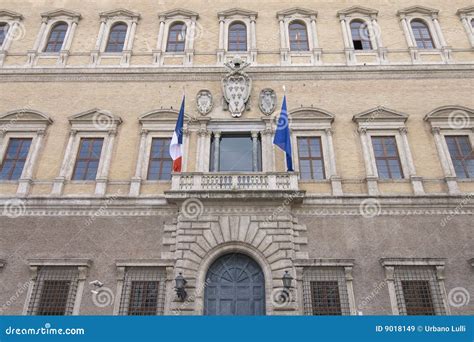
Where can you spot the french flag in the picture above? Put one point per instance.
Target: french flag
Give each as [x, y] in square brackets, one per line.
[176, 145]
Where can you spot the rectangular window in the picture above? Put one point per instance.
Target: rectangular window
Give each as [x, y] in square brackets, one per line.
[462, 155]
[143, 298]
[143, 291]
[325, 291]
[325, 298]
[15, 158]
[418, 291]
[88, 158]
[310, 153]
[236, 153]
[387, 158]
[161, 164]
[54, 291]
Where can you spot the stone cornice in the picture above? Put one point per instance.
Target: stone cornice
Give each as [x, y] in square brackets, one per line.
[326, 206]
[214, 73]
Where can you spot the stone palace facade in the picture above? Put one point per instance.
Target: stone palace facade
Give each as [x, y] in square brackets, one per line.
[376, 219]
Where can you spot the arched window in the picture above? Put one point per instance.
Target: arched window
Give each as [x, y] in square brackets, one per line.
[360, 35]
[56, 38]
[237, 37]
[422, 35]
[298, 36]
[117, 35]
[176, 38]
[3, 32]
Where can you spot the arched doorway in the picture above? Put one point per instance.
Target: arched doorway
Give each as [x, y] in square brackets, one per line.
[235, 285]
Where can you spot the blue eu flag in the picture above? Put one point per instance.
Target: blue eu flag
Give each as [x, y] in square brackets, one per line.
[282, 136]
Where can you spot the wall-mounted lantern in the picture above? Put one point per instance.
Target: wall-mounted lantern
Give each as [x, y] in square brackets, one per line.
[181, 287]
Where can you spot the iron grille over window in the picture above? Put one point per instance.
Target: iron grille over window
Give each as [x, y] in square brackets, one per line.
[160, 164]
[3, 32]
[325, 291]
[88, 159]
[143, 291]
[56, 38]
[117, 35]
[387, 158]
[360, 35]
[15, 158]
[298, 37]
[54, 291]
[310, 153]
[418, 291]
[422, 35]
[238, 37]
[462, 155]
[176, 38]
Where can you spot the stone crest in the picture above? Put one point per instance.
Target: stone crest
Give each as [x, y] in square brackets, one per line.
[267, 101]
[236, 86]
[204, 102]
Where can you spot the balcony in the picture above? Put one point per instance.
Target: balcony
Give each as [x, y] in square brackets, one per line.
[234, 185]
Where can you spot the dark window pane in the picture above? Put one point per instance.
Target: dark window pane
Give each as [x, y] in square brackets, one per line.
[236, 153]
[88, 159]
[360, 36]
[176, 38]
[298, 37]
[116, 40]
[418, 299]
[160, 163]
[56, 38]
[462, 155]
[387, 158]
[3, 32]
[311, 159]
[54, 296]
[422, 35]
[143, 298]
[325, 298]
[237, 37]
[15, 158]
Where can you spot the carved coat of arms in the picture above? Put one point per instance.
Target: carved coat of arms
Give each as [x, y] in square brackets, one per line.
[204, 102]
[237, 87]
[267, 101]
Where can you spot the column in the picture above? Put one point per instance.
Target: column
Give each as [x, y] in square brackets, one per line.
[390, 278]
[101, 34]
[253, 34]
[217, 141]
[101, 181]
[469, 29]
[407, 32]
[255, 151]
[439, 32]
[40, 36]
[345, 35]
[58, 184]
[70, 36]
[136, 181]
[25, 181]
[444, 156]
[132, 35]
[283, 43]
[221, 34]
[372, 185]
[336, 182]
[315, 33]
[416, 182]
[159, 44]
[11, 34]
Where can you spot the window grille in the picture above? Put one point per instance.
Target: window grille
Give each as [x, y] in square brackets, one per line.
[325, 291]
[143, 292]
[418, 291]
[54, 291]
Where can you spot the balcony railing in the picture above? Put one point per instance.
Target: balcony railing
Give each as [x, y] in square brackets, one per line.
[210, 181]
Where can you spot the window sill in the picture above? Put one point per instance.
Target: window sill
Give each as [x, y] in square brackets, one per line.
[404, 180]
